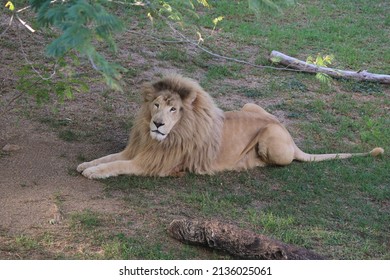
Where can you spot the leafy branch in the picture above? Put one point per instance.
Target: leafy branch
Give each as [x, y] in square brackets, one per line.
[82, 26]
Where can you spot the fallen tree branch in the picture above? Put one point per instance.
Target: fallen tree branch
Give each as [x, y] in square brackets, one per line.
[236, 241]
[278, 57]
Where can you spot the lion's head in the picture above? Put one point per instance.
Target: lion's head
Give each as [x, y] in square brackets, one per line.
[166, 110]
[167, 102]
[178, 125]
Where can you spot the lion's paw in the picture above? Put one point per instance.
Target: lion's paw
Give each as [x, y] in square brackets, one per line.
[81, 167]
[96, 172]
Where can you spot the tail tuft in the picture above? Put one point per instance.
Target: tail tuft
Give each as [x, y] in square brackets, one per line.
[376, 152]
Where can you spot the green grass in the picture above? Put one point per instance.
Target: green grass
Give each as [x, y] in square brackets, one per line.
[330, 27]
[323, 206]
[122, 247]
[86, 219]
[175, 55]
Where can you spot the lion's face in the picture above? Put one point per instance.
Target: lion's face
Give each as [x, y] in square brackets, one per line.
[165, 113]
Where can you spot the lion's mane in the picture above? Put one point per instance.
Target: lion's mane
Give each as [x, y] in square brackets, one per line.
[192, 144]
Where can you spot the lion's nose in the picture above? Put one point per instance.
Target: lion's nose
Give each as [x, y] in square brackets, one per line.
[158, 124]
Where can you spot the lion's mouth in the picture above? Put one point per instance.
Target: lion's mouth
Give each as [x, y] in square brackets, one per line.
[158, 132]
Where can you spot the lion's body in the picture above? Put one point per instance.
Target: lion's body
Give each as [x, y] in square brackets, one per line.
[179, 128]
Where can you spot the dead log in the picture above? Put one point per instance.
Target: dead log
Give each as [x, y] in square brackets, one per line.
[278, 57]
[238, 242]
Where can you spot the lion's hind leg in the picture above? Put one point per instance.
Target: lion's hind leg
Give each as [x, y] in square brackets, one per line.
[275, 145]
[109, 158]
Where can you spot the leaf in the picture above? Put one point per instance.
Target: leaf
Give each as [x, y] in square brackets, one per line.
[328, 59]
[322, 61]
[276, 59]
[218, 19]
[319, 61]
[167, 7]
[310, 60]
[10, 6]
[150, 17]
[204, 3]
[324, 78]
[200, 38]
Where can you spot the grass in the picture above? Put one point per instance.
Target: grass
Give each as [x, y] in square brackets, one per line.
[340, 209]
[332, 27]
[323, 205]
[86, 219]
[175, 55]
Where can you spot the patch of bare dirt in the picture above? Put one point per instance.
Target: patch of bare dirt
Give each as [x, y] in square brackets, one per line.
[36, 176]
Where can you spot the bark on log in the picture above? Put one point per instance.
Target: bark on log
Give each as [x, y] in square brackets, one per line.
[311, 68]
[235, 241]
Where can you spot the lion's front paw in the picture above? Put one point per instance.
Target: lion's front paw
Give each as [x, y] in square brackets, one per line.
[81, 167]
[96, 172]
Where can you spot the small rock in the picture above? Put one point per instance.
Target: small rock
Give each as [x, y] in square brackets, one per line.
[11, 148]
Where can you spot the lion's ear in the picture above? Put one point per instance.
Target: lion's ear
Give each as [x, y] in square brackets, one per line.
[186, 94]
[190, 97]
[149, 92]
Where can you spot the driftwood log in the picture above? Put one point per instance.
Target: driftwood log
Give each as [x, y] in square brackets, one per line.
[240, 243]
[294, 63]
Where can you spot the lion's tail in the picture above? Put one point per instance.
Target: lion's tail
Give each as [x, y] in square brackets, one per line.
[302, 156]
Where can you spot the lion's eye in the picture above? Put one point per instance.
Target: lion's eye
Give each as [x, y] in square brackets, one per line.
[173, 109]
[156, 105]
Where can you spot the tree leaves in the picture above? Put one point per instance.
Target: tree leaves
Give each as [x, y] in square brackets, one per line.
[82, 23]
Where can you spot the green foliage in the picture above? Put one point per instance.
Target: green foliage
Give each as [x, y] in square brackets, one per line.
[322, 61]
[82, 24]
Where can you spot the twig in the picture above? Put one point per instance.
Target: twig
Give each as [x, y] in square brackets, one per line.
[25, 24]
[9, 103]
[94, 66]
[32, 66]
[9, 25]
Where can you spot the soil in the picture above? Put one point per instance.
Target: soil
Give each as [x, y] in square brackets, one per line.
[33, 176]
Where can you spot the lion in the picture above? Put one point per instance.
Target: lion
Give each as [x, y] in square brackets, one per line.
[180, 129]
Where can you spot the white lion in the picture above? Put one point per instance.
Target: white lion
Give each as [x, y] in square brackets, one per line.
[179, 129]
